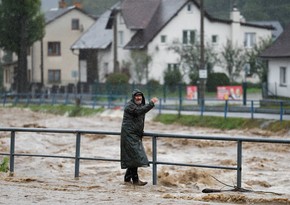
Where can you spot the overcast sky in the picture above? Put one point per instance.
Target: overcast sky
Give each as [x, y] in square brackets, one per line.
[48, 4]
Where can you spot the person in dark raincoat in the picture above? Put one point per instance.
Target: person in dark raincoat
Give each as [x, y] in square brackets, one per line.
[132, 151]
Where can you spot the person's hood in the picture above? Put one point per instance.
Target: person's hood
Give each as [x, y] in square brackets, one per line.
[137, 91]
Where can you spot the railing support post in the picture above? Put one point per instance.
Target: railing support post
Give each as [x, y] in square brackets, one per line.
[239, 164]
[12, 151]
[154, 159]
[226, 109]
[252, 109]
[281, 111]
[77, 157]
[160, 105]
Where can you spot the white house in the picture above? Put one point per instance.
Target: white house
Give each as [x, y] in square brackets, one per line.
[152, 26]
[51, 61]
[278, 56]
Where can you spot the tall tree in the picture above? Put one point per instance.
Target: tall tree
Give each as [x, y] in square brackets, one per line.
[234, 59]
[190, 58]
[140, 60]
[257, 65]
[21, 24]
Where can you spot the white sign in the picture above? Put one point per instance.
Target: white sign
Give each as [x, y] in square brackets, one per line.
[203, 73]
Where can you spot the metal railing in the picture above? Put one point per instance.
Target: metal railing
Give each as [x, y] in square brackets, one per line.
[224, 107]
[77, 157]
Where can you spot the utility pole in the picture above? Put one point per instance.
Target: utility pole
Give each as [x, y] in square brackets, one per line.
[202, 70]
[41, 65]
[115, 41]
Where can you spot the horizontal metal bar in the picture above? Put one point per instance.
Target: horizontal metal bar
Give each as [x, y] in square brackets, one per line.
[196, 165]
[100, 159]
[218, 138]
[42, 155]
[159, 135]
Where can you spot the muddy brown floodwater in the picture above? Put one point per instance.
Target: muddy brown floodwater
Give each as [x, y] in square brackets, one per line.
[39, 180]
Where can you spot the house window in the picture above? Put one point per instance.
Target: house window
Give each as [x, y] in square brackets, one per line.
[250, 40]
[283, 81]
[172, 66]
[121, 38]
[54, 76]
[214, 39]
[106, 68]
[188, 37]
[75, 24]
[163, 39]
[189, 8]
[53, 49]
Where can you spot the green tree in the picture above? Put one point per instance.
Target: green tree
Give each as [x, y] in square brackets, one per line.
[140, 61]
[172, 76]
[190, 59]
[256, 64]
[234, 59]
[21, 24]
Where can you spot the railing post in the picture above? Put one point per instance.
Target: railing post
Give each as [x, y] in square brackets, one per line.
[239, 164]
[202, 105]
[252, 109]
[226, 109]
[281, 111]
[77, 157]
[4, 99]
[154, 158]
[66, 99]
[12, 151]
[180, 99]
[160, 105]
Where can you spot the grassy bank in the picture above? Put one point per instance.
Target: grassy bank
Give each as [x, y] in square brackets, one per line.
[225, 124]
[186, 120]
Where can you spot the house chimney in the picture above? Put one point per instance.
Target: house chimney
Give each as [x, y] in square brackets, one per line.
[235, 14]
[78, 5]
[235, 26]
[61, 4]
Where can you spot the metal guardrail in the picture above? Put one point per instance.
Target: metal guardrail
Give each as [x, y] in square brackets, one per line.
[77, 157]
[167, 104]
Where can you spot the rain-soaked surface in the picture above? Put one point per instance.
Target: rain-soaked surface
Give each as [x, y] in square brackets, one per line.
[38, 180]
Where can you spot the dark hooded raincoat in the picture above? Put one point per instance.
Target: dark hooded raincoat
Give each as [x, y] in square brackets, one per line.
[132, 150]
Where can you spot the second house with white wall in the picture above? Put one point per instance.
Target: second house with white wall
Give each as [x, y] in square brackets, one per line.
[152, 26]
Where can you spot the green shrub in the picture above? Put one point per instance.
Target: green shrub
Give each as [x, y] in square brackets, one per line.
[216, 79]
[117, 84]
[4, 165]
[171, 78]
[154, 85]
[117, 78]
